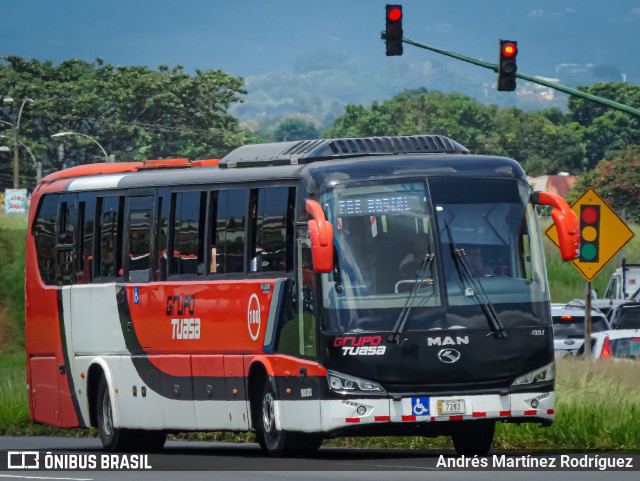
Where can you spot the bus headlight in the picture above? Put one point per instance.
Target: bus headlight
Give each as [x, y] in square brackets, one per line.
[345, 384]
[546, 373]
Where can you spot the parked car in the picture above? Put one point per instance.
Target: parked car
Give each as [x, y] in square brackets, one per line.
[569, 327]
[616, 344]
[626, 316]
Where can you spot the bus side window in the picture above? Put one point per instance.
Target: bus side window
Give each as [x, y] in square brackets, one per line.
[67, 221]
[110, 242]
[231, 222]
[268, 252]
[139, 242]
[213, 228]
[44, 231]
[298, 334]
[86, 228]
[162, 239]
[188, 233]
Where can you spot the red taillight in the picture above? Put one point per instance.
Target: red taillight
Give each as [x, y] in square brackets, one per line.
[606, 349]
[635, 339]
[567, 318]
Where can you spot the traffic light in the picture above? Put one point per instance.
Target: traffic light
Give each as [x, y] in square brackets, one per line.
[394, 30]
[507, 66]
[589, 233]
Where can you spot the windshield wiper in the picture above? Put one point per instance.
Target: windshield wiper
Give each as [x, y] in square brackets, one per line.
[476, 287]
[404, 314]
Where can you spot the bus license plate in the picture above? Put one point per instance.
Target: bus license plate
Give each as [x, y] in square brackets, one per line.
[451, 406]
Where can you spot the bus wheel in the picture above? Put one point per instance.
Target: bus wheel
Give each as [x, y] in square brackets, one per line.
[112, 438]
[117, 439]
[472, 439]
[269, 437]
[273, 440]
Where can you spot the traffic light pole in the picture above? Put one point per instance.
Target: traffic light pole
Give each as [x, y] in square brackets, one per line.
[587, 323]
[529, 78]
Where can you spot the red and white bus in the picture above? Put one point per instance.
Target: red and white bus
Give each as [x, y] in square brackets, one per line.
[304, 290]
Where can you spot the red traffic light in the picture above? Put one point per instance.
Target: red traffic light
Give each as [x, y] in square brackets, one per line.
[394, 14]
[589, 215]
[509, 49]
[393, 32]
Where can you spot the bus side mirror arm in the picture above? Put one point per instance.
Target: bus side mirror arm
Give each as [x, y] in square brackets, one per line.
[566, 222]
[321, 235]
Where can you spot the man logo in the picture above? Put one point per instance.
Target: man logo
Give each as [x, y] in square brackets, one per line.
[447, 341]
[253, 317]
[449, 356]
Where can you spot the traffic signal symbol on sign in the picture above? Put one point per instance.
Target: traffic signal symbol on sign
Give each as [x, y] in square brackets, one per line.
[601, 229]
[507, 66]
[589, 233]
[393, 34]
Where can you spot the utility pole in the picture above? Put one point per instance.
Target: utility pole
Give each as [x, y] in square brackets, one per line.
[15, 127]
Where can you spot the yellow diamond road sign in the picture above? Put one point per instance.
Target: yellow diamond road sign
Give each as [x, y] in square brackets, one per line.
[603, 233]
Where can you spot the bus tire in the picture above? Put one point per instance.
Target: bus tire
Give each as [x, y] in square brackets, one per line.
[274, 441]
[118, 439]
[113, 439]
[474, 439]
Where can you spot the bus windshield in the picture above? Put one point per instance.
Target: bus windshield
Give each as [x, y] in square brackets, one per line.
[495, 229]
[382, 234]
[396, 245]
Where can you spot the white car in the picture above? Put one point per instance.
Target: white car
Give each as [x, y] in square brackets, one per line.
[616, 344]
[568, 327]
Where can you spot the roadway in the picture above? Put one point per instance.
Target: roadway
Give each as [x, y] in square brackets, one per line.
[190, 460]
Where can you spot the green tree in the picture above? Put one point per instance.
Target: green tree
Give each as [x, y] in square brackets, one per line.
[617, 181]
[543, 146]
[606, 130]
[543, 142]
[135, 112]
[295, 129]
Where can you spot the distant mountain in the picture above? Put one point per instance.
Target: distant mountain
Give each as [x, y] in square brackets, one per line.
[322, 91]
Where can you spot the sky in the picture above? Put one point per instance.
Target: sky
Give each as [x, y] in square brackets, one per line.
[248, 37]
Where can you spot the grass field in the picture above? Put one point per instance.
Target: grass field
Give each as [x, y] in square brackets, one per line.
[13, 230]
[14, 410]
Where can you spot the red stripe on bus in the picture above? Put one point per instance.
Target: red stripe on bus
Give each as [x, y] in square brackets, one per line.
[550, 411]
[479, 415]
[456, 418]
[382, 418]
[352, 420]
[530, 413]
[408, 418]
[505, 413]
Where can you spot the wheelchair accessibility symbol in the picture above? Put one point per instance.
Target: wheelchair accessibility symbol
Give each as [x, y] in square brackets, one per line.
[136, 295]
[420, 406]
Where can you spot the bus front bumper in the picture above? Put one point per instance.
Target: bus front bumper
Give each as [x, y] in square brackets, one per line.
[338, 414]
